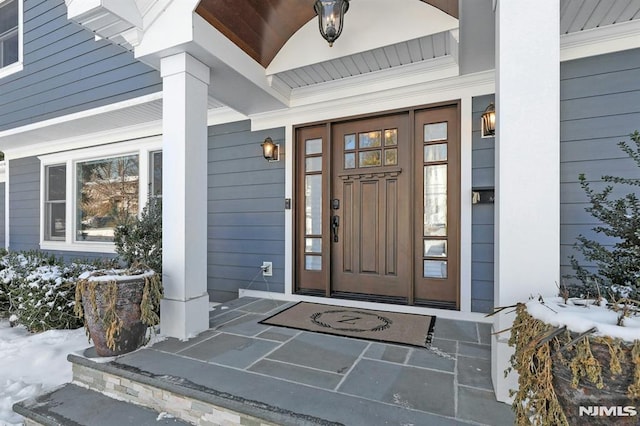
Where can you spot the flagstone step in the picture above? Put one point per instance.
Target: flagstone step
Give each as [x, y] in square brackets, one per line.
[194, 404]
[74, 405]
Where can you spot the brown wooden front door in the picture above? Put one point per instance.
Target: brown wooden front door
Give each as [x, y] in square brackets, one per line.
[378, 208]
[370, 222]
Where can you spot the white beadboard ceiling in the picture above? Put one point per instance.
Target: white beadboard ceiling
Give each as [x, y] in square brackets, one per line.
[580, 15]
[409, 52]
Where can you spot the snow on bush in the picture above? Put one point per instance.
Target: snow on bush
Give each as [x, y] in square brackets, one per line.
[40, 289]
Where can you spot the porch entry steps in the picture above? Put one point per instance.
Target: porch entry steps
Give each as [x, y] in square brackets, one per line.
[107, 394]
[71, 404]
[241, 372]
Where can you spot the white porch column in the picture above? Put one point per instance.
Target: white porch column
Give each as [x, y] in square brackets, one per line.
[527, 221]
[185, 307]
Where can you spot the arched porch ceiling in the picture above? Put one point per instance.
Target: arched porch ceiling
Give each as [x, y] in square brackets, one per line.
[262, 27]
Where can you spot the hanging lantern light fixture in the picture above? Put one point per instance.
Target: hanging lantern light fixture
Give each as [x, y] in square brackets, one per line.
[331, 18]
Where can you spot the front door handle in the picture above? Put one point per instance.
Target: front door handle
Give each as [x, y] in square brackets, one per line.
[335, 224]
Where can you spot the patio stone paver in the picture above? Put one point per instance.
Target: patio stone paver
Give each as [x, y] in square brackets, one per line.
[474, 372]
[279, 334]
[217, 320]
[350, 381]
[481, 406]
[247, 325]
[429, 359]
[295, 373]
[329, 353]
[446, 346]
[233, 304]
[231, 350]
[464, 331]
[408, 387]
[286, 396]
[485, 333]
[174, 345]
[474, 350]
[390, 353]
[265, 306]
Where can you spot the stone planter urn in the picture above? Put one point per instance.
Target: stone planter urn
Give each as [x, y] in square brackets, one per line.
[605, 400]
[578, 362]
[118, 306]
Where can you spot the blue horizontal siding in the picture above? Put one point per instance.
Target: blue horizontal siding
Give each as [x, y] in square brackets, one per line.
[245, 212]
[600, 106]
[482, 215]
[24, 203]
[66, 70]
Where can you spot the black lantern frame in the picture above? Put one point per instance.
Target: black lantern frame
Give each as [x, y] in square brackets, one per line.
[270, 150]
[331, 18]
[489, 121]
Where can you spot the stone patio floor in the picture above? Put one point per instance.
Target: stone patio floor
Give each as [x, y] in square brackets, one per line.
[337, 379]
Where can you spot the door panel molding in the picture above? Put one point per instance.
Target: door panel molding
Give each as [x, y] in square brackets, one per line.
[373, 206]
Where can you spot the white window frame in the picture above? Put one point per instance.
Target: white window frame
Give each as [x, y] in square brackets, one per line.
[150, 187]
[141, 147]
[16, 66]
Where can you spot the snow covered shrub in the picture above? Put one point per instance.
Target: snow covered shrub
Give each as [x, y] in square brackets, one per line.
[141, 239]
[40, 289]
[4, 290]
[618, 261]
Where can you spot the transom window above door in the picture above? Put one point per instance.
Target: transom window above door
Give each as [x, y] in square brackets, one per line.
[375, 148]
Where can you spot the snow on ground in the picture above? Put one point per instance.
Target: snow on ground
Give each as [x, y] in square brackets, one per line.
[31, 364]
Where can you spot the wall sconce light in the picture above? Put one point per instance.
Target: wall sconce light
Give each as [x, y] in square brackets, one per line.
[270, 150]
[331, 17]
[489, 121]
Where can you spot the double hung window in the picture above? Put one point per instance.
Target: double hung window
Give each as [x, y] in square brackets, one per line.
[9, 33]
[86, 194]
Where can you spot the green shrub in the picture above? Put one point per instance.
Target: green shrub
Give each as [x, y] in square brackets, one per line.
[40, 289]
[141, 239]
[618, 263]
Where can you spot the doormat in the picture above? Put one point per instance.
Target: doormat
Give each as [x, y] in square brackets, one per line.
[388, 327]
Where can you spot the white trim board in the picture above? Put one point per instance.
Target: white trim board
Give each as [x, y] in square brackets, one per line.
[425, 93]
[600, 41]
[87, 128]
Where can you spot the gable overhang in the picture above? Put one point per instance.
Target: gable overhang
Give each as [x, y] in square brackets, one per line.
[244, 84]
[243, 88]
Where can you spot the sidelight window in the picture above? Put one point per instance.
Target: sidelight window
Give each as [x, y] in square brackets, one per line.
[313, 205]
[435, 200]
